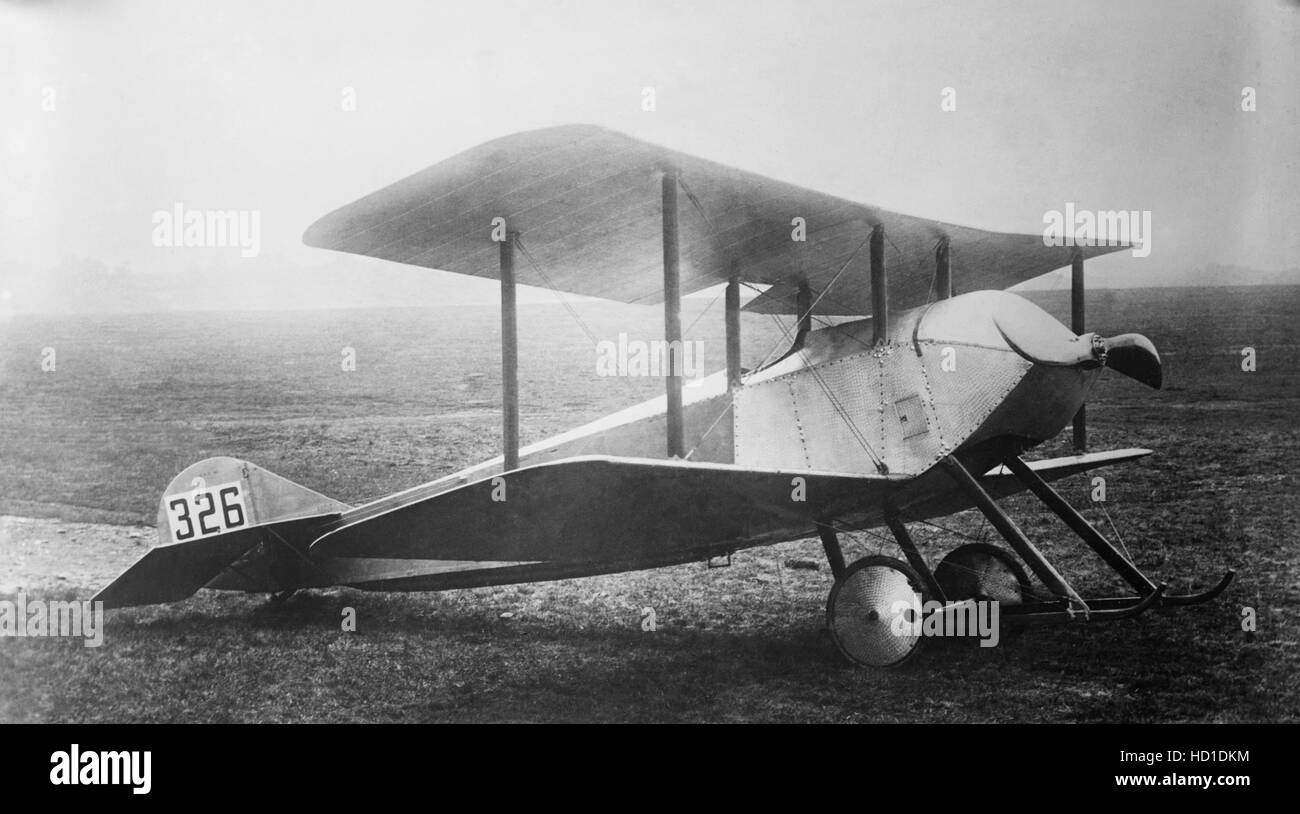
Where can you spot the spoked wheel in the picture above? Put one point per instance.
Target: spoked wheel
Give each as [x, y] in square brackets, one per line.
[864, 609]
[982, 571]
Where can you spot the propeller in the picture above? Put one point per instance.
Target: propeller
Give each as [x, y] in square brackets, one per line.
[1135, 356]
[1131, 354]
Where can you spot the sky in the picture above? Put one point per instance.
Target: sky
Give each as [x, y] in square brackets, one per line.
[111, 112]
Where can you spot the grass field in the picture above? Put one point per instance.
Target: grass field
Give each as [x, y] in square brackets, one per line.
[85, 450]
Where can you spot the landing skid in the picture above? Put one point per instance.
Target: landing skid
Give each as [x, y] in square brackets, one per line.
[882, 578]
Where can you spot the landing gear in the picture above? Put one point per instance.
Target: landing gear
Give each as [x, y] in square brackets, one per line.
[982, 571]
[873, 611]
[876, 603]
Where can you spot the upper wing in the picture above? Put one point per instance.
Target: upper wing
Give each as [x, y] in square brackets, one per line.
[587, 204]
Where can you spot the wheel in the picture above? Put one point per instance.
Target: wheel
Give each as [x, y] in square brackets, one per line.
[871, 610]
[982, 571]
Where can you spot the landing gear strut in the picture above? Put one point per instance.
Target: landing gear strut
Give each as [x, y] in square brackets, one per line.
[876, 601]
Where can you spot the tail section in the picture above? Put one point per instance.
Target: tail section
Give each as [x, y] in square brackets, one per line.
[211, 515]
[220, 495]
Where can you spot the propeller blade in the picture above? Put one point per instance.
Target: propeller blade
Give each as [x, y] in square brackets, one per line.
[1135, 356]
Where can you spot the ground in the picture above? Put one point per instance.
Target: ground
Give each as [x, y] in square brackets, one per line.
[86, 448]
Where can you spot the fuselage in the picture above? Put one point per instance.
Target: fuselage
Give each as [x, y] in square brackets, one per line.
[946, 380]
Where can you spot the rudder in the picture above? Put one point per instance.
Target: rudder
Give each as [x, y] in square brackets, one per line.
[219, 495]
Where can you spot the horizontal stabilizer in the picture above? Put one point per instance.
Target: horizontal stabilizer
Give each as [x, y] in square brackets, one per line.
[170, 573]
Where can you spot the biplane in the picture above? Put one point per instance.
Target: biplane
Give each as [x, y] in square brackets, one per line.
[907, 402]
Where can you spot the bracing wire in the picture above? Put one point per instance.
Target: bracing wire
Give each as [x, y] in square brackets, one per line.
[591, 335]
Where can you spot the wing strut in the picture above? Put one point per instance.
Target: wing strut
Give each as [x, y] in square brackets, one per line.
[733, 332]
[803, 310]
[1076, 325]
[509, 356]
[942, 271]
[673, 317]
[879, 287]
